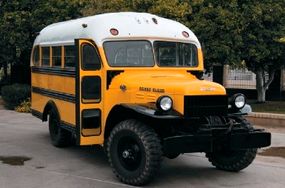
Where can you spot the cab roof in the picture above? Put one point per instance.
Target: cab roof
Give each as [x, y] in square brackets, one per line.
[130, 26]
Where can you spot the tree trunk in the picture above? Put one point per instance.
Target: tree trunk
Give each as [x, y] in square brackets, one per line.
[5, 68]
[262, 85]
[261, 91]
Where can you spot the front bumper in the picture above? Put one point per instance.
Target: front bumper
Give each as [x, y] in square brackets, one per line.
[209, 143]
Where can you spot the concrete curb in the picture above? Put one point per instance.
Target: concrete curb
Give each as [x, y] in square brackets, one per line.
[266, 115]
[267, 119]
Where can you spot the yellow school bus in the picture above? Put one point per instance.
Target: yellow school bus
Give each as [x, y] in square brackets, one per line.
[133, 83]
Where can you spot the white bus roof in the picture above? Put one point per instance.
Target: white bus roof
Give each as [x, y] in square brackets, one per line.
[130, 25]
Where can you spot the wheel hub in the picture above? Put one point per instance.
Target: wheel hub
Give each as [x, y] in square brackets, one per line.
[129, 153]
[126, 154]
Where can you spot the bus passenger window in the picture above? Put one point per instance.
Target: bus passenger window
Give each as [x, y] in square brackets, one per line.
[56, 56]
[36, 56]
[69, 57]
[45, 56]
[91, 60]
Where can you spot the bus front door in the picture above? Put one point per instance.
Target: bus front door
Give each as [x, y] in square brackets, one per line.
[88, 93]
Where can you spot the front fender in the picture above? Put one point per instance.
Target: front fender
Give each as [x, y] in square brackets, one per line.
[150, 112]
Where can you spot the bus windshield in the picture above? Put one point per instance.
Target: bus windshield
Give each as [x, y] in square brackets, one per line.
[175, 54]
[129, 53]
[140, 54]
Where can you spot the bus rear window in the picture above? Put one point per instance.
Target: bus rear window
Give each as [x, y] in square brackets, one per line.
[129, 53]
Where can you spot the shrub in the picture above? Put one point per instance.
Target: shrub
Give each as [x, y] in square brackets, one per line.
[14, 95]
[25, 106]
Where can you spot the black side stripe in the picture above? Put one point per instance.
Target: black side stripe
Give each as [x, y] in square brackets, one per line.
[67, 126]
[54, 94]
[68, 72]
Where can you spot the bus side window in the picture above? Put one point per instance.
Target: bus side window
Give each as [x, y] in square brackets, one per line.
[69, 56]
[56, 56]
[45, 56]
[36, 56]
[90, 58]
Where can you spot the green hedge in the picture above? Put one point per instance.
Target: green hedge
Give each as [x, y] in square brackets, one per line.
[14, 95]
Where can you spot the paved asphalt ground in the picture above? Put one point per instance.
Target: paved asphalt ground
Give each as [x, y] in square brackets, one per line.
[22, 135]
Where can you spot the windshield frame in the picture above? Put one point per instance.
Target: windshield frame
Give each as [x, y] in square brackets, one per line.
[152, 41]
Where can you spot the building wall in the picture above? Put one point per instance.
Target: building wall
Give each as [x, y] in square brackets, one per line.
[242, 80]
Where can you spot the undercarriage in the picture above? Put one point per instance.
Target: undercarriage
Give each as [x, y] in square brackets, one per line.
[215, 133]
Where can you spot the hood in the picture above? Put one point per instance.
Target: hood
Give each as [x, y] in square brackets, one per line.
[165, 82]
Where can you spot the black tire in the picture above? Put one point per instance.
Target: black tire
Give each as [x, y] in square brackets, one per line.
[232, 161]
[134, 152]
[59, 137]
[172, 155]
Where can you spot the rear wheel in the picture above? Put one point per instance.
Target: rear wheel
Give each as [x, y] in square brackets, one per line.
[59, 137]
[134, 152]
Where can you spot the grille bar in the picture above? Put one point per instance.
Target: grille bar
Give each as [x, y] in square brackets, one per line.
[205, 105]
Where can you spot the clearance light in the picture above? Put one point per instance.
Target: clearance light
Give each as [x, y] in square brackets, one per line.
[185, 34]
[114, 32]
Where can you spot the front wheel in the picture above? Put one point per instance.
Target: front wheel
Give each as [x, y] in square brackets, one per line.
[134, 152]
[233, 161]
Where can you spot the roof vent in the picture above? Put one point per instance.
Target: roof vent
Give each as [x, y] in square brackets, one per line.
[154, 20]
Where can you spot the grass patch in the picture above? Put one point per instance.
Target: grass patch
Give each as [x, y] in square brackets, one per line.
[269, 107]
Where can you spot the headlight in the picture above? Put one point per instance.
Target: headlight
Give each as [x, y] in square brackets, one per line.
[239, 101]
[164, 103]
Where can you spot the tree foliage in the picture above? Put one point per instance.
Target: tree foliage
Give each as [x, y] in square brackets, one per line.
[218, 28]
[263, 51]
[173, 9]
[21, 20]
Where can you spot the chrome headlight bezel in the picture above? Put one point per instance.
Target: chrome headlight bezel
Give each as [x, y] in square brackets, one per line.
[164, 103]
[238, 101]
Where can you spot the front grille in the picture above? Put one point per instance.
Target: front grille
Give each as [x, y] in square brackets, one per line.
[195, 106]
